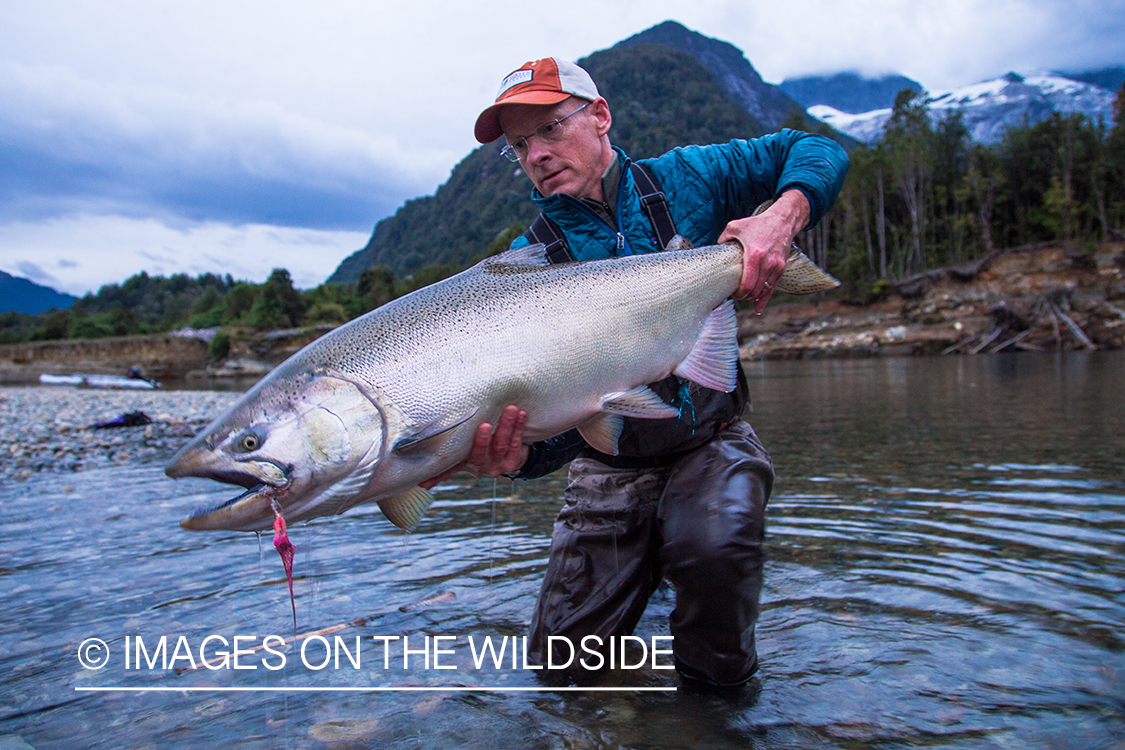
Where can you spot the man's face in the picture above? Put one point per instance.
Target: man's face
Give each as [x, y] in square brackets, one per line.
[572, 165]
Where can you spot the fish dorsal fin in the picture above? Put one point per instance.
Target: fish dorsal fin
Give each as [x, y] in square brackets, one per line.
[640, 402]
[602, 431]
[406, 509]
[520, 258]
[430, 431]
[713, 360]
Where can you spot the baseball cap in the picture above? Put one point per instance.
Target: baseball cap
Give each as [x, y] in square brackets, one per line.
[546, 81]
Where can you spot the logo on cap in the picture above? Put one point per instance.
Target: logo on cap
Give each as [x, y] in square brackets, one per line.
[514, 79]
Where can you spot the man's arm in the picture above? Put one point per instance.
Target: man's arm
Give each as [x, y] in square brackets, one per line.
[494, 452]
[766, 240]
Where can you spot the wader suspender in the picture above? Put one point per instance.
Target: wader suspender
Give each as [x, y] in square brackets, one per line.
[544, 230]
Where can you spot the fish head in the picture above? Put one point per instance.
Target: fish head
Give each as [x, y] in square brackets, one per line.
[307, 443]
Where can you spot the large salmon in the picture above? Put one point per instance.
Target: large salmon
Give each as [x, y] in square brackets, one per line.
[366, 412]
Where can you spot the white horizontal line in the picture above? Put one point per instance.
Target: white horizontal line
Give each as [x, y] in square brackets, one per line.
[370, 689]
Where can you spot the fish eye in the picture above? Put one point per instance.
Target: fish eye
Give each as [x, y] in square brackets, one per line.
[248, 442]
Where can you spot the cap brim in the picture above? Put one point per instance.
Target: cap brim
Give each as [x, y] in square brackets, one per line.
[488, 128]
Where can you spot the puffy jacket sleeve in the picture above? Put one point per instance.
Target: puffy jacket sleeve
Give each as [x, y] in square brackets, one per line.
[717, 184]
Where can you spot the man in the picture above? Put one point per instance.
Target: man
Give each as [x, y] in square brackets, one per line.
[686, 497]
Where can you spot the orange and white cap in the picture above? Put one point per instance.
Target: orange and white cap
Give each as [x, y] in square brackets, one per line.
[546, 81]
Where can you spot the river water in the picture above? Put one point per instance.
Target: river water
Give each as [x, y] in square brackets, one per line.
[945, 569]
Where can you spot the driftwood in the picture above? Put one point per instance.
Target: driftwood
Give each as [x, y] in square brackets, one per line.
[1049, 309]
[995, 334]
[1014, 341]
[1074, 327]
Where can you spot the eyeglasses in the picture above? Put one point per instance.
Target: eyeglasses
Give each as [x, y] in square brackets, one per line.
[551, 132]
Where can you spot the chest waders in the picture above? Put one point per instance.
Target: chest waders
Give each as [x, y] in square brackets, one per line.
[685, 501]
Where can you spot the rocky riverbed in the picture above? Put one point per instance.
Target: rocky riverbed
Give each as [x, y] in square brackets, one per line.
[50, 428]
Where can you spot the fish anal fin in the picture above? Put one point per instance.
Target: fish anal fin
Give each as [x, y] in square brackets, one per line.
[602, 431]
[713, 360]
[430, 431]
[406, 509]
[641, 402]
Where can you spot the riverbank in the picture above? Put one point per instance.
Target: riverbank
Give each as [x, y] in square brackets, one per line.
[1039, 297]
[1035, 298]
[49, 428]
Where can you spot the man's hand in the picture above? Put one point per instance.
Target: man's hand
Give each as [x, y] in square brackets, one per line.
[493, 452]
[766, 240]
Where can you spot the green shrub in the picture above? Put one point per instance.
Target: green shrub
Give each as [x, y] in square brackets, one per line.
[219, 348]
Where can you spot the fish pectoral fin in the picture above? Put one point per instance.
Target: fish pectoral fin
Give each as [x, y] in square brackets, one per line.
[406, 509]
[602, 432]
[713, 360]
[640, 402]
[429, 432]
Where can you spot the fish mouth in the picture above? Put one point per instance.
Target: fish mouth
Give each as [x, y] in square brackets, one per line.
[247, 511]
[204, 510]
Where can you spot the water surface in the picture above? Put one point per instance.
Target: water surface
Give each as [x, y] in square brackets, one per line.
[945, 570]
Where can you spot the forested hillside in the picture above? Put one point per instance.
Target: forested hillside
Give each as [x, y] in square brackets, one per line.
[923, 196]
[660, 98]
[926, 196]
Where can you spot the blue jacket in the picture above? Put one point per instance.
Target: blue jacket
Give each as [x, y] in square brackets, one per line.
[707, 187]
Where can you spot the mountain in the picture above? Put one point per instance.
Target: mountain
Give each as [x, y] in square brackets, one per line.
[22, 295]
[989, 107]
[667, 87]
[766, 103]
[849, 93]
[1111, 79]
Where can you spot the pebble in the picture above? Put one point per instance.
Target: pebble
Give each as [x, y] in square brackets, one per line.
[47, 428]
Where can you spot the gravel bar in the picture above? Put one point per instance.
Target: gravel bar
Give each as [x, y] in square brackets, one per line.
[49, 428]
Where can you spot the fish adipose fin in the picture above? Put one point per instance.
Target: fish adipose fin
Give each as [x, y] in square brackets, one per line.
[713, 361]
[430, 431]
[679, 242]
[602, 432]
[406, 509]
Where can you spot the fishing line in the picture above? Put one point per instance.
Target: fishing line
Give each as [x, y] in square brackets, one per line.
[616, 563]
[491, 531]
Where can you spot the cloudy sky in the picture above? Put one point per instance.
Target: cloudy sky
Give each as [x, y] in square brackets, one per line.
[242, 135]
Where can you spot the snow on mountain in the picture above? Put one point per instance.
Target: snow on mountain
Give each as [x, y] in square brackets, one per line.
[866, 127]
[989, 107]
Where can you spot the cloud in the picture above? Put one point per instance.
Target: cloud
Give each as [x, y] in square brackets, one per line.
[941, 43]
[80, 253]
[214, 129]
[69, 144]
[33, 272]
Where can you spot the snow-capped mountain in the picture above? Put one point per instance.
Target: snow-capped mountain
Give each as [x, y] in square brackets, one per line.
[848, 92]
[989, 107]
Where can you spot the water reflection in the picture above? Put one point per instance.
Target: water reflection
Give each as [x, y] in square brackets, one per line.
[945, 570]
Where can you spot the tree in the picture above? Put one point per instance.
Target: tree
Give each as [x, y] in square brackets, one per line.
[983, 178]
[909, 136]
[280, 285]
